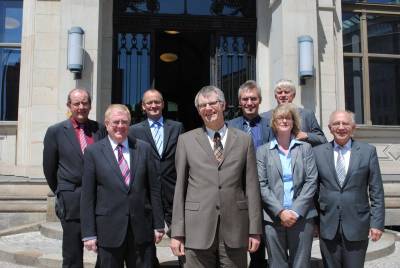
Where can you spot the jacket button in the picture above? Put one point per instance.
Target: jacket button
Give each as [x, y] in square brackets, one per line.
[217, 207]
[338, 207]
[219, 187]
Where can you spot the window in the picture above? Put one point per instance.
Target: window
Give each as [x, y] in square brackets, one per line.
[371, 48]
[10, 57]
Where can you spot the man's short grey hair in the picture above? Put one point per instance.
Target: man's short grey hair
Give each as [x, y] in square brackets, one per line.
[349, 113]
[248, 85]
[286, 84]
[207, 90]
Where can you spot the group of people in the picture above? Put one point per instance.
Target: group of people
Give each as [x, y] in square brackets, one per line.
[260, 181]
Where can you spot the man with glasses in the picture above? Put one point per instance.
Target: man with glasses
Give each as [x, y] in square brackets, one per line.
[257, 127]
[121, 201]
[64, 145]
[217, 208]
[285, 92]
[351, 198]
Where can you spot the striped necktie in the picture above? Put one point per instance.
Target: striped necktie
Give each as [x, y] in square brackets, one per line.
[123, 165]
[340, 167]
[218, 148]
[248, 128]
[82, 137]
[157, 137]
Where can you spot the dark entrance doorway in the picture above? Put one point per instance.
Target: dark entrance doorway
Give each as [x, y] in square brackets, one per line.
[180, 79]
[212, 42]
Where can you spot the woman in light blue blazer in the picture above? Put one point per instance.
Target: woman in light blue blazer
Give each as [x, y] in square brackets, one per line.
[288, 181]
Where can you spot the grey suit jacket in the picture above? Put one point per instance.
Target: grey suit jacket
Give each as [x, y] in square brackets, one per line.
[266, 131]
[309, 124]
[304, 181]
[207, 191]
[359, 204]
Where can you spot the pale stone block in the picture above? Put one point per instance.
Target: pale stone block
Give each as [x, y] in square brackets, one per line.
[44, 96]
[49, 23]
[45, 77]
[48, 7]
[46, 59]
[47, 41]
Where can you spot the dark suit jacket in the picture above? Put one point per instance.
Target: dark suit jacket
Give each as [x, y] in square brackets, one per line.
[165, 165]
[309, 124]
[271, 181]
[63, 163]
[108, 205]
[266, 131]
[208, 192]
[360, 202]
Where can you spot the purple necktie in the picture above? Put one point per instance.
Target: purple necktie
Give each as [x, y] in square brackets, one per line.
[123, 165]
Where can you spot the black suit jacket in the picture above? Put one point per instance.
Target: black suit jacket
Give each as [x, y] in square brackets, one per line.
[63, 164]
[108, 205]
[165, 164]
[266, 131]
[309, 124]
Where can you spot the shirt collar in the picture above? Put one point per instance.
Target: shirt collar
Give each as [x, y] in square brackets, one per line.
[345, 147]
[221, 131]
[152, 122]
[76, 124]
[114, 144]
[274, 143]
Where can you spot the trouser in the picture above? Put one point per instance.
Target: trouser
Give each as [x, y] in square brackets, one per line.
[72, 245]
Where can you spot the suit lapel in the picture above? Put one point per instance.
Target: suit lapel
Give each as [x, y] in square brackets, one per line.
[202, 139]
[110, 158]
[354, 161]
[167, 134]
[71, 136]
[294, 153]
[149, 136]
[330, 159]
[133, 159]
[277, 161]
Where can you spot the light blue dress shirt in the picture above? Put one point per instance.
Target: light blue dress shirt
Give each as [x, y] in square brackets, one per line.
[286, 162]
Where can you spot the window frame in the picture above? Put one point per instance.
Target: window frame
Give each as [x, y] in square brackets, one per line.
[364, 9]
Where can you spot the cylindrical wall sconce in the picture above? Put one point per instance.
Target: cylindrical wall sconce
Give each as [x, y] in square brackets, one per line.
[75, 55]
[306, 57]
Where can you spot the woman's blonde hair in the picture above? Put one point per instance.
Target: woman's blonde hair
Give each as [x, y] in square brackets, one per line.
[285, 110]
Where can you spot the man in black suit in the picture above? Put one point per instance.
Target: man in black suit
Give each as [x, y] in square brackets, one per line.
[285, 92]
[257, 127]
[162, 134]
[63, 168]
[121, 208]
[351, 198]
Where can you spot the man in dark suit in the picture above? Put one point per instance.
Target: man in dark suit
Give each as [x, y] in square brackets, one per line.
[351, 198]
[63, 168]
[121, 208]
[257, 127]
[285, 92]
[217, 207]
[162, 134]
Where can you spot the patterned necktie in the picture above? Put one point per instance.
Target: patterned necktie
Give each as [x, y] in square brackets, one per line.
[218, 148]
[123, 165]
[157, 137]
[248, 128]
[82, 137]
[340, 168]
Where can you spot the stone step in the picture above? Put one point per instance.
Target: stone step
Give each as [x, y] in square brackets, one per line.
[18, 206]
[43, 248]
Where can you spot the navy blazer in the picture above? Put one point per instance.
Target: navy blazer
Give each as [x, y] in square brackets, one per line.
[266, 131]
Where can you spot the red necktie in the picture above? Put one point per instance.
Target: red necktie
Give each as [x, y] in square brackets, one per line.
[82, 137]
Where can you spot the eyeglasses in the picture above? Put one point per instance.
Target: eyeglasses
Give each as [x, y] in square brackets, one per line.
[280, 119]
[118, 122]
[343, 124]
[211, 103]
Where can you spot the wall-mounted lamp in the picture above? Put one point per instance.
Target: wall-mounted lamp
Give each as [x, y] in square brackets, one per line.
[306, 58]
[75, 56]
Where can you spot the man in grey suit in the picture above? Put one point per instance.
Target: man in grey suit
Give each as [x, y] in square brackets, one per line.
[351, 198]
[64, 144]
[217, 208]
[285, 92]
[252, 123]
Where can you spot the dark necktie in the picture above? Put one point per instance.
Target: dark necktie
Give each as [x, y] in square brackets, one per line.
[123, 165]
[218, 148]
